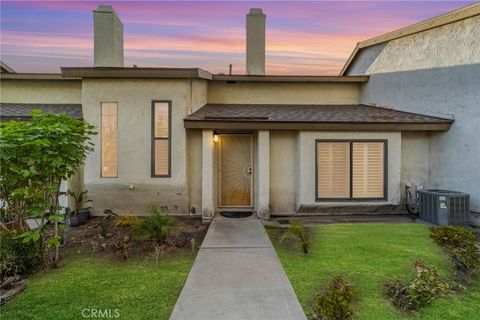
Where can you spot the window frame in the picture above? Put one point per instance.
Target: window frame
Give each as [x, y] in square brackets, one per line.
[154, 138]
[101, 140]
[351, 198]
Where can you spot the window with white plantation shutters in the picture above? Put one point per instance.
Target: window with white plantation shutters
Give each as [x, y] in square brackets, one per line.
[350, 170]
[333, 169]
[368, 169]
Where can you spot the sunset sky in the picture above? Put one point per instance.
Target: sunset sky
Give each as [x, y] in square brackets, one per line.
[313, 37]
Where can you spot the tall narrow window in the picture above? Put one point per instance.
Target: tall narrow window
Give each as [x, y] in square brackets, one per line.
[109, 139]
[161, 118]
[350, 170]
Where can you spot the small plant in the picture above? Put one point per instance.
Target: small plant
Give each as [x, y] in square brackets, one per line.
[104, 227]
[17, 257]
[298, 231]
[335, 302]
[460, 245]
[158, 252]
[79, 200]
[420, 292]
[155, 225]
[127, 221]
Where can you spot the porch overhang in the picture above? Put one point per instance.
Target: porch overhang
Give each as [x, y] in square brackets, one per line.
[311, 117]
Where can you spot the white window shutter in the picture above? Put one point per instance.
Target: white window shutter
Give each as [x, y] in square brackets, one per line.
[368, 169]
[333, 170]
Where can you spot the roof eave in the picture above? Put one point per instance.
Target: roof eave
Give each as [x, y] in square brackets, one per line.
[320, 126]
[292, 78]
[110, 72]
[35, 76]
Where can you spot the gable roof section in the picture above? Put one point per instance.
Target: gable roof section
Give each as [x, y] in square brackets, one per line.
[447, 18]
[23, 111]
[310, 117]
[5, 68]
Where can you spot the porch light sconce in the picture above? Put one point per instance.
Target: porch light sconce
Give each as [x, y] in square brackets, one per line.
[215, 137]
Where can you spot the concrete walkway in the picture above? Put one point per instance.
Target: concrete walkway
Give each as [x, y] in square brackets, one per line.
[237, 275]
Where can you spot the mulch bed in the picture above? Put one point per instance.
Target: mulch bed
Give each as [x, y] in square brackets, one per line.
[121, 243]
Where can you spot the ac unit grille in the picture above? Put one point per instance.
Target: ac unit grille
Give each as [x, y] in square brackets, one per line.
[442, 207]
[459, 207]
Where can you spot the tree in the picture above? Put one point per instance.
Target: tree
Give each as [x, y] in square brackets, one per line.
[36, 156]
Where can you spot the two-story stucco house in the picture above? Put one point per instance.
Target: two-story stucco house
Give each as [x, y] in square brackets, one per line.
[404, 111]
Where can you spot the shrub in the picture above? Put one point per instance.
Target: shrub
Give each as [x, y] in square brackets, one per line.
[426, 286]
[155, 225]
[298, 231]
[16, 256]
[460, 244]
[335, 302]
[131, 222]
[104, 226]
[36, 156]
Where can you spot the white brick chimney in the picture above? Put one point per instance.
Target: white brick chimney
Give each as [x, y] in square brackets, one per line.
[107, 38]
[255, 42]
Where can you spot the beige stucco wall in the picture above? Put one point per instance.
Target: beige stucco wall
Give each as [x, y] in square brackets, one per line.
[199, 88]
[134, 188]
[306, 165]
[283, 171]
[283, 93]
[76, 185]
[449, 45]
[40, 91]
[194, 169]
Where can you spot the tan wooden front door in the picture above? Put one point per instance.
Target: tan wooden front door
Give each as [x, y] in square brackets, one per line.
[235, 164]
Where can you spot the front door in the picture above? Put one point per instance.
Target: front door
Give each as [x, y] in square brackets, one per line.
[235, 170]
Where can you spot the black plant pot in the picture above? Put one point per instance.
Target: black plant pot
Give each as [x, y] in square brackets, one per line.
[84, 214]
[74, 221]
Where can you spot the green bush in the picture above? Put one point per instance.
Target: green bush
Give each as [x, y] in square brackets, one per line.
[17, 257]
[156, 225]
[299, 232]
[104, 227]
[335, 302]
[460, 244]
[426, 286]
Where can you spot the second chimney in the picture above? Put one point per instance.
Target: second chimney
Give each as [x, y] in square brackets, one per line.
[255, 42]
[107, 38]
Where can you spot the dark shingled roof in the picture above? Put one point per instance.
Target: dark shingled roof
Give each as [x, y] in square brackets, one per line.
[307, 115]
[23, 111]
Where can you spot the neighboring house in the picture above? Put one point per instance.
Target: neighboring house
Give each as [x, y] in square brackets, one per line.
[279, 145]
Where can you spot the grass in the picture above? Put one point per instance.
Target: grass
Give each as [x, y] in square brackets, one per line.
[371, 255]
[139, 289]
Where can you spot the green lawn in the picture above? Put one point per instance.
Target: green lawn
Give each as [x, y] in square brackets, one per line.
[371, 255]
[140, 289]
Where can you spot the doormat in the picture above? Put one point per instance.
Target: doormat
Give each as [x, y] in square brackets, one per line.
[236, 214]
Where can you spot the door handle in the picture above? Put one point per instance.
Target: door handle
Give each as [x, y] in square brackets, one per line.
[249, 170]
